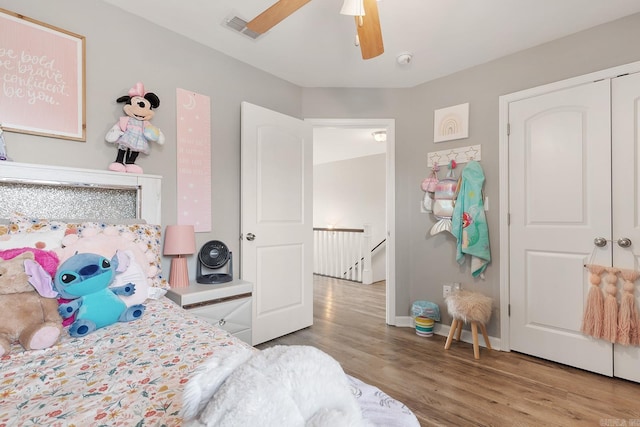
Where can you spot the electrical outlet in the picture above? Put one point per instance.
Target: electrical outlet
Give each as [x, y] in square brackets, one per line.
[446, 291]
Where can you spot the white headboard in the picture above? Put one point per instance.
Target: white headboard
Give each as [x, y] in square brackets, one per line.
[74, 189]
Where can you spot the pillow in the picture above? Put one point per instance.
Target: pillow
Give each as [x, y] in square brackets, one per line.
[48, 240]
[133, 274]
[21, 223]
[4, 226]
[147, 236]
[142, 239]
[107, 246]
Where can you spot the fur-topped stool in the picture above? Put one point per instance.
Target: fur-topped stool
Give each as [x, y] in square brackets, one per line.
[469, 307]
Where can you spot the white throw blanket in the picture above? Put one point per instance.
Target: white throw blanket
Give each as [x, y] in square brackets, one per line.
[279, 386]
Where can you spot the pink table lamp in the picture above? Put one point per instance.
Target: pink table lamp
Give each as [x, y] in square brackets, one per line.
[179, 240]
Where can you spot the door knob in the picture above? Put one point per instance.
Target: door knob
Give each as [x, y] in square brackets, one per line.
[624, 242]
[600, 242]
[251, 237]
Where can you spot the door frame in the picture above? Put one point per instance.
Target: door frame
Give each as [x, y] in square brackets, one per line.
[503, 141]
[390, 126]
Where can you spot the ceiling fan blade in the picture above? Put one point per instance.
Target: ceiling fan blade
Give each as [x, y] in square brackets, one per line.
[274, 15]
[369, 31]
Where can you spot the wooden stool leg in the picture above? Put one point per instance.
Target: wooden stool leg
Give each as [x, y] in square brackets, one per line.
[474, 331]
[486, 336]
[447, 345]
[459, 331]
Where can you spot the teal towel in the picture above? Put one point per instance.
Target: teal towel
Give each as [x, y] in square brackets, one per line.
[469, 223]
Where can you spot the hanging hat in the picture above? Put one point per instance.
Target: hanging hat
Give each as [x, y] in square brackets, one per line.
[430, 182]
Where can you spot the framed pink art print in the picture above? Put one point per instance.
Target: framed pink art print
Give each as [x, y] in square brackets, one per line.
[42, 73]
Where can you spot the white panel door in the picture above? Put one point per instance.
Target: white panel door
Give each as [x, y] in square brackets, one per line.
[277, 220]
[626, 191]
[560, 197]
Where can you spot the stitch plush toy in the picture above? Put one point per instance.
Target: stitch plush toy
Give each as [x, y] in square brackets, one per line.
[133, 132]
[85, 278]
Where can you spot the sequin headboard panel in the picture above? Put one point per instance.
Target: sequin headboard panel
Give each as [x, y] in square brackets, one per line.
[55, 200]
[57, 192]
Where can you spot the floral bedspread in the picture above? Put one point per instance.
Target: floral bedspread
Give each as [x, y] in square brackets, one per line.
[127, 374]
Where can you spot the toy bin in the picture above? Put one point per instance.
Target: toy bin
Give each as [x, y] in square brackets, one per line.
[425, 314]
[424, 326]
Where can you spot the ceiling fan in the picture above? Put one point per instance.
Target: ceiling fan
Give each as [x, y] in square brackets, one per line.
[366, 17]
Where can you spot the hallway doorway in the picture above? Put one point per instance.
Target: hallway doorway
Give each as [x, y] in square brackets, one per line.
[335, 126]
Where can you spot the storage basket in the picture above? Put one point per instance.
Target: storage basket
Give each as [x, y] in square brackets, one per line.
[424, 326]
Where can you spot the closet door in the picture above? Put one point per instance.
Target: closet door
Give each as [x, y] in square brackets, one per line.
[560, 198]
[626, 198]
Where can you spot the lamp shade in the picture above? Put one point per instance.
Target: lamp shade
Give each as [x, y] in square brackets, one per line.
[352, 8]
[179, 240]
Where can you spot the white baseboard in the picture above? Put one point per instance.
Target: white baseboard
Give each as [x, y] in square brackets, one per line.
[440, 329]
[404, 322]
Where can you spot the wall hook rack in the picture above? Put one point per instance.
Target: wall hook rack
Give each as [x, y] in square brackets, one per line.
[460, 155]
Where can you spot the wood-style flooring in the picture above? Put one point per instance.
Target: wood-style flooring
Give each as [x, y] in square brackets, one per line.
[450, 387]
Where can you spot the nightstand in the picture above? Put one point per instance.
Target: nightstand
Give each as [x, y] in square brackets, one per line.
[225, 305]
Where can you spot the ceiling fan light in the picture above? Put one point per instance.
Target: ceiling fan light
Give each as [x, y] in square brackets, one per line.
[352, 8]
[379, 135]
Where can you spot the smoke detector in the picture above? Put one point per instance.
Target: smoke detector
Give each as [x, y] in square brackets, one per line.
[404, 58]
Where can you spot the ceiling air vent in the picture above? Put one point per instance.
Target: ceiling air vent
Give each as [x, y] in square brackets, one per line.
[240, 25]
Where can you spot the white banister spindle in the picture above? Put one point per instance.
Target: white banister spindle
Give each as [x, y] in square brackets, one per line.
[319, 237]
[331, 258]
[367, 272]
[348, 273]
[356, 256]
[341, 255]
[329, 248]
[316, 265]
[358, 249]
[324, 253]
[336, 254]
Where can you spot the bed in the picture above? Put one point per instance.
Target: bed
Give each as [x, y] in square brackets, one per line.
[128, 373]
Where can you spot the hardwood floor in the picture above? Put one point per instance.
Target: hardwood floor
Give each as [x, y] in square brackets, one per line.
[450, 387]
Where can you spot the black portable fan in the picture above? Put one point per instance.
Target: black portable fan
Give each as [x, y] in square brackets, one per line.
[214, 255]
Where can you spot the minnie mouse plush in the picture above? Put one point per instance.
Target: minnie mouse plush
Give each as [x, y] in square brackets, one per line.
[133, 132]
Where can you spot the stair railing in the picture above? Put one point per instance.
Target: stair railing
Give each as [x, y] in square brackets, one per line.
[342, 253]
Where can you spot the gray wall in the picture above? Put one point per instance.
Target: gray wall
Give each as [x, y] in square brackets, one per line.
[123, 49]
[424, 263]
